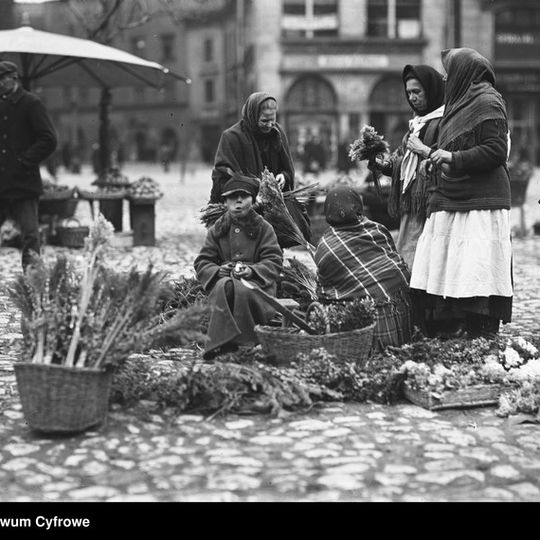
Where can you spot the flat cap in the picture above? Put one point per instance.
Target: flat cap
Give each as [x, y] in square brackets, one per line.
[7, 67]
[238, 182]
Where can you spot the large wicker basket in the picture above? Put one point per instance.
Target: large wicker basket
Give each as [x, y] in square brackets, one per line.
[60, 399]
[286, 343]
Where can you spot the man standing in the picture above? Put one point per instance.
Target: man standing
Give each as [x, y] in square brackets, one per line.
[27, 137]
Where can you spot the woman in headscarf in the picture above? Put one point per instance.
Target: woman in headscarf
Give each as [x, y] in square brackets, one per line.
[424, 89]
[463, 263]
[255, 142]
[356, 257]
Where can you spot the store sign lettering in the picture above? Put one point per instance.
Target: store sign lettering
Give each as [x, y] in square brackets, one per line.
[510, 38]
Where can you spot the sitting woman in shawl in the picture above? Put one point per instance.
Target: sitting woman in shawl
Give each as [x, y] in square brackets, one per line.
[241, 244]
[255, 142]
[357, 257]
[424, 89]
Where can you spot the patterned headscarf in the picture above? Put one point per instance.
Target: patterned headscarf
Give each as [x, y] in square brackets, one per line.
[252, 109]
[342, 206]
[470, 95]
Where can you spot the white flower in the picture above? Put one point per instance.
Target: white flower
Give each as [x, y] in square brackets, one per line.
[440, 371]
[527, 372]
[512, 358]
[526, 346]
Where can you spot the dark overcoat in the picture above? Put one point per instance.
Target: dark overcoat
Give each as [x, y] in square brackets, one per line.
[253, 242]
[27, 137]
[238, 152]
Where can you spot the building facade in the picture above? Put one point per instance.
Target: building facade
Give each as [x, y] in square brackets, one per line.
[333, 65]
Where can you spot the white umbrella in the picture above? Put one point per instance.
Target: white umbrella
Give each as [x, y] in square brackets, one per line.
[55, 60]
[49, 59]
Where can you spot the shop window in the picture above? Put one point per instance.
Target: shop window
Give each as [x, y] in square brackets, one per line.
[209, 91]
[167, 47]
[311, 94]
[310, 18]
[394, 19]
[209, 50]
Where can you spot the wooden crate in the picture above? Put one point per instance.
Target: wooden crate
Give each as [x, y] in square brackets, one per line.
[481, 395]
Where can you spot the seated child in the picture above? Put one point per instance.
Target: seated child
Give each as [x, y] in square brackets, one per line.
[241, 244]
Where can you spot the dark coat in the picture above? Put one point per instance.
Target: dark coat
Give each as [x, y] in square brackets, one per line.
[27, 137]
[254, 243]
[238, 151]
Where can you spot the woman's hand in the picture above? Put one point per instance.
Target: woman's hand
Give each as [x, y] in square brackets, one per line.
[225, 270]
[414, 144]
[376, 163]
[441, 156]
[280, 178]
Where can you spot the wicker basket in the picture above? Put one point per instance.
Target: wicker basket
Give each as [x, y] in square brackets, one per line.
[286, 343]
[480, 395]
[72, 235]
[60, 399]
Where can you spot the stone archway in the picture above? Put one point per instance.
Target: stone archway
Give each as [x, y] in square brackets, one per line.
[311, 112]
[389, 110]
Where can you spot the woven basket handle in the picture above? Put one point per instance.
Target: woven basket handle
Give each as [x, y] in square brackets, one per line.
[317, 306]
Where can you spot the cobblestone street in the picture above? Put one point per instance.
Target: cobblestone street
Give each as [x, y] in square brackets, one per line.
[336, 452]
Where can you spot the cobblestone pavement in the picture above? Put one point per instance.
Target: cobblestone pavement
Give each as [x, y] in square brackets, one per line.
[336, 452]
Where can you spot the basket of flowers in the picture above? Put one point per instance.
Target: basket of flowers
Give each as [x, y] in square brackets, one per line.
[344, 330]
[79, 325]
[144, 191]
[462, 373]
[57, 200]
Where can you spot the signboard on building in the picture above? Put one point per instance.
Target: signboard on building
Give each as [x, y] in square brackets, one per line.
[517, 45]
[300, 62]
[519, 81]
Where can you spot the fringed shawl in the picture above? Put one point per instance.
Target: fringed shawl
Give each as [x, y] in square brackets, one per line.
[412, 198]
[470, 100]
[359, 260]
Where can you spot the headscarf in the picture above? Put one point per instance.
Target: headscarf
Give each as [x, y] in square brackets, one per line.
[343, 206]
[252, 109]
[432, 82]
[470, 96]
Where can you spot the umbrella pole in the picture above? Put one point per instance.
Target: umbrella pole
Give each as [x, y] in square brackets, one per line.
[104, 142]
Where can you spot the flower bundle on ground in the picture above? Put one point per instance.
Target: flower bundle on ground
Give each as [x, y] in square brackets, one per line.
[244, 383]
[249, 382]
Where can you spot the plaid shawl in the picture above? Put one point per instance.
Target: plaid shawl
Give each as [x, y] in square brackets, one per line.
[360, 259]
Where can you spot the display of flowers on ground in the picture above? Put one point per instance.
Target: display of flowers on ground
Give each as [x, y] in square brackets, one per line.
[457, 364]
